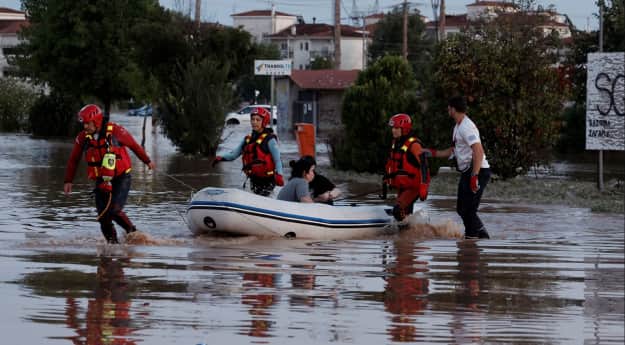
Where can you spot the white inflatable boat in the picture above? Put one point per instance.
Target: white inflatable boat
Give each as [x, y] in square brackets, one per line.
[239, 212]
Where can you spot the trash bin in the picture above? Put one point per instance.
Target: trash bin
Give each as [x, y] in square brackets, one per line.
[305, 135]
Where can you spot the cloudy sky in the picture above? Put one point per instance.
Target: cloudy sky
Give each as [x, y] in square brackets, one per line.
[581, 12]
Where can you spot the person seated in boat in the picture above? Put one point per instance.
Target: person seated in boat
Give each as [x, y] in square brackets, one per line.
[302, 173]
[261, 156]
[406, 168]
[323, 190]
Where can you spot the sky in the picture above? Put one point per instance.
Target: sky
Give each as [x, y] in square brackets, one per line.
[581, 12]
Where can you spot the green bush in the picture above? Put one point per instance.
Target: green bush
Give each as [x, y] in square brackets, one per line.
[15, 101]
[54, 115]
[195, 105]
[384, 89]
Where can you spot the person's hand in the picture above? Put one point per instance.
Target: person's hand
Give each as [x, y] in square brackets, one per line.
[67, 188]
[217, 160]
[105, 187]
[474, 183]
[429, 152]
[423, 191]
[151, 166]
[279, 180]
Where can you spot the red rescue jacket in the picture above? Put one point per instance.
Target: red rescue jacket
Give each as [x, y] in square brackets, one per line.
[257, 160]
[404, 168]
[94, 150]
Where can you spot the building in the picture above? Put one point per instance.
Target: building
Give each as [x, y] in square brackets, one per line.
[261, 23]
[312, 96]
[547, 20]
[11, 22]
[303, 43]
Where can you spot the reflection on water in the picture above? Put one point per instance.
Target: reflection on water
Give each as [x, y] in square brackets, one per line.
[550, 274]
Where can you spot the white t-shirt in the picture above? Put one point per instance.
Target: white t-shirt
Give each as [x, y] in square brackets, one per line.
[466, 134]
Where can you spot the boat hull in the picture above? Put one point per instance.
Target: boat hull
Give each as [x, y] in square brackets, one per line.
[239, 212]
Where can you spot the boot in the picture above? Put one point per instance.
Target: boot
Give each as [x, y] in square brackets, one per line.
[109, 232]
[399, 213]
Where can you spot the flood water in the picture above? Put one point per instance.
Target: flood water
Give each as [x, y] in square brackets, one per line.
[549, 275]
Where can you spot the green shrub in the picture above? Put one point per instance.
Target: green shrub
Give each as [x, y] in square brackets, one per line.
[16, 98]
[54, 115]
[384, 89]
[195, 105]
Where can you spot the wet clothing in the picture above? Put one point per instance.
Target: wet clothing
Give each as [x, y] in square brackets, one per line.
[468, 202]
[464, 135]
[406, 170]
[261, 160]
[294, 190]
[94, 148]
[319, 185]
[121, 188]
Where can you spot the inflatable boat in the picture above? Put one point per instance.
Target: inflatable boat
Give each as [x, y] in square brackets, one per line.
[236, 211]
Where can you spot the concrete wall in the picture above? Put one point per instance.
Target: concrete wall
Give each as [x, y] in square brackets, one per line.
[260, 27]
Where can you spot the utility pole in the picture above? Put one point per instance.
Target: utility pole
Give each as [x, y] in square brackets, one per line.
[600, 161]
[441, 22]
[198, 6]
[337, 34]
[404, 44]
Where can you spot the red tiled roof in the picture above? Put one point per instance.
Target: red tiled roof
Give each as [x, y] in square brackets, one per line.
[375, 15]
[318, 30]
[459, 20]
[260, 13]
[9, 10]
[324, 79]
[12, 26]
[492, 3]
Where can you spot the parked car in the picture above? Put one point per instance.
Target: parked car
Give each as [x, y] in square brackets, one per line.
[243, 115]
[145, 110]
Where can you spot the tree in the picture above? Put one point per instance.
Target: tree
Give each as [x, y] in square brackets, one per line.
[614, 25]
[505, 68]
[385, 88]
[194, 107]
[82, 47]
[387, 40]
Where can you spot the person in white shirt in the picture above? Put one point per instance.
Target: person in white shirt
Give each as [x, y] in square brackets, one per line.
[471, 162]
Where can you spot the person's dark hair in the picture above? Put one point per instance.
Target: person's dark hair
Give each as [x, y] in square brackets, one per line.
[301, 166]
[458, 103]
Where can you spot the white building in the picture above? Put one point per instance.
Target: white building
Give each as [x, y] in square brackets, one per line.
[306, 42]
[11, 22]
[261, 23]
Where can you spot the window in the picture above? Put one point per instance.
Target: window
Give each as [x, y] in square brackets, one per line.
[306, 46]
[283, 46]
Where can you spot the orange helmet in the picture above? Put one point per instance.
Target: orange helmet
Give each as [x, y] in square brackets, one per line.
[402, 121]
[91, 112]
[264, 115]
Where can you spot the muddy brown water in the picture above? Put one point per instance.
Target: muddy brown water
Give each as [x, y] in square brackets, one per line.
[550, 274]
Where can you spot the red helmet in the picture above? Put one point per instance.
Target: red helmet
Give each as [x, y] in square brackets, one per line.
[91, 112]
[402, 121]
[264, 115]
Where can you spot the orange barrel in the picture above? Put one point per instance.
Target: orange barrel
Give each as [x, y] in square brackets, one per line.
[305, 135]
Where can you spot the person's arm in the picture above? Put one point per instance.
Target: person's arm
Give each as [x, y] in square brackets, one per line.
[478, 157]
[72, 164]
[302, 192]
[275, 155]
[440, 153]
[235, 153]
[126, 139]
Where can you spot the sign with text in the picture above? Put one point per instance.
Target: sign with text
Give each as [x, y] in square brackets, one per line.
[272, 67]
[605, 102]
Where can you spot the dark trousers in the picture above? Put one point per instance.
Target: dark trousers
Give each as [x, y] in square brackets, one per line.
[262, 185]
[468, 202]
[115, 211]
